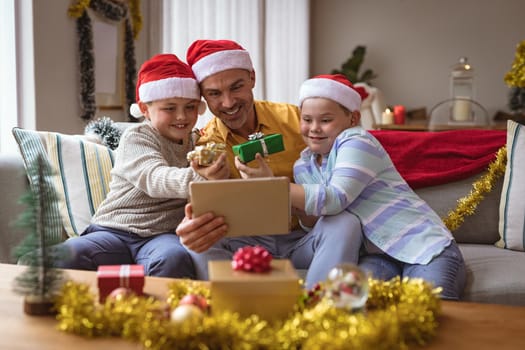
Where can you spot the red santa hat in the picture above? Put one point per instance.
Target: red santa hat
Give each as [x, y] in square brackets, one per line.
[335, 87]
[207, 57]
[165, 76]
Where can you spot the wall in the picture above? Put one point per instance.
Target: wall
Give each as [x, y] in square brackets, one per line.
[411, 44]
[56, 67]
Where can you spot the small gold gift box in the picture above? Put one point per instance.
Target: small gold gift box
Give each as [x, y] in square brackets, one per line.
[271, 295]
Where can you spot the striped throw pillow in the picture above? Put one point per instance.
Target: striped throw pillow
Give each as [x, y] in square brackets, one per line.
[512, 205]
[81, 172]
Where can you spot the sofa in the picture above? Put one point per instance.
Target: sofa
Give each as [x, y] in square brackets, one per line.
[494, 274]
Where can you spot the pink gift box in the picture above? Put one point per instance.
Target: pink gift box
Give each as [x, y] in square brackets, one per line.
[111, 277]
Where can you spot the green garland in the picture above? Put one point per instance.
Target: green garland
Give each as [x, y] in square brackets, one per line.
[115, 11]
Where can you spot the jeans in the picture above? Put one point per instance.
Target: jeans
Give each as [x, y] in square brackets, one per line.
[162, 255]
[333, 240]
[447, 270]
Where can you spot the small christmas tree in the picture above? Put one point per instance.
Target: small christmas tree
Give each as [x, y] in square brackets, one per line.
[515, 79]
[40, 282]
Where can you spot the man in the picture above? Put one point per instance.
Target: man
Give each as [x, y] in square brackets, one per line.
[227, 78]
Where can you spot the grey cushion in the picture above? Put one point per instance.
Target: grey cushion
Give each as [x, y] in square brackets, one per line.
[494, 275]
[480, 228]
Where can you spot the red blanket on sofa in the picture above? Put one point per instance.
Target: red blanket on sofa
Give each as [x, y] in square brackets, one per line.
[434, 158]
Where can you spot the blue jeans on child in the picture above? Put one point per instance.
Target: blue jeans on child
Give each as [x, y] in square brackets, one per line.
[162, 255]
[447, 270]
[334, 239]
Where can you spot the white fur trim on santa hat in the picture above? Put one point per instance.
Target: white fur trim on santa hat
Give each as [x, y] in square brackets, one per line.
[169, 88]
[135, 111]
[332, 90]
[221, 61]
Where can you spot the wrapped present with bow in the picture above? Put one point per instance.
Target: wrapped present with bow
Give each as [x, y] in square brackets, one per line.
[206, 154]
[270, 294]
[258, 143]
[111, 277]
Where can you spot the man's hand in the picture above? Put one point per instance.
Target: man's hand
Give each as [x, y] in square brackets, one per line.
[219, 169]
[200, 233]
[246, 172]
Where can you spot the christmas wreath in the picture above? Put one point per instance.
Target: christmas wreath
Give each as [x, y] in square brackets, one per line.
[115, 11]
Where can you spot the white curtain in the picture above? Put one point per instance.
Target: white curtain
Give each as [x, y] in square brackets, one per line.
[275, 32]
[8, 95]
[17, 86]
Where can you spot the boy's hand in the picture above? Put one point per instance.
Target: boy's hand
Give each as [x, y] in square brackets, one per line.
[219, 169]
[200, 233]
[247, 172]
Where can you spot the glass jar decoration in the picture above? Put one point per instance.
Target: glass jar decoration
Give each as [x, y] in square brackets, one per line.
[462, 91]
[347, 287]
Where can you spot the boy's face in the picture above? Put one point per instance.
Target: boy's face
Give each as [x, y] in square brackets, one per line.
[322, 120]
[173, 118]
[229, 96]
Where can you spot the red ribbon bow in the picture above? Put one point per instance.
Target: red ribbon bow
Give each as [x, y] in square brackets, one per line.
[252, 259]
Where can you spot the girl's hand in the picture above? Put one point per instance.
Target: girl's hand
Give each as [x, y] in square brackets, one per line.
[247, 172]
[306, 220]
[219, 169]
[200, 233]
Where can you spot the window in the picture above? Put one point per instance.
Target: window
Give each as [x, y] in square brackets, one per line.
[275, 32]
[17, 97]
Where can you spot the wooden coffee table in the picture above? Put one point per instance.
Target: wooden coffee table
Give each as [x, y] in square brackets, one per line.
[462, 325]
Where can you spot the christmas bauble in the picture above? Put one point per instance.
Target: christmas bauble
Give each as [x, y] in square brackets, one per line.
[188, 314]
[195, 299]
[120, 293]
[347, 287]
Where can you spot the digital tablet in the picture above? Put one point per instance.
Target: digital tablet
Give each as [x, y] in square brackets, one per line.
[251, 207]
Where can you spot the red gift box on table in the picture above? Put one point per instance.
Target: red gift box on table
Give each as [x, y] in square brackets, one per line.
[111, 277]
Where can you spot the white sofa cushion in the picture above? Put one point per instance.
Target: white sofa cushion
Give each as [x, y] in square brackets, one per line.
[82, 172]
[512, 205]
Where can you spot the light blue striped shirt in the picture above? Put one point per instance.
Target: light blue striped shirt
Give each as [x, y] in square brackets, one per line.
[359, 176]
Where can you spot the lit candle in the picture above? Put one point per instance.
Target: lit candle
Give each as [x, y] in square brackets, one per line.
[461, 110]
[399, 114]
[387, 117]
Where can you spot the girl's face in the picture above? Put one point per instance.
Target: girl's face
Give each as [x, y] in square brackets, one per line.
[322, 120]
[173, 118]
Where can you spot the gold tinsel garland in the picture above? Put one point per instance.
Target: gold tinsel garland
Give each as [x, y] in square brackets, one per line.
[399, 312]
[467, 205]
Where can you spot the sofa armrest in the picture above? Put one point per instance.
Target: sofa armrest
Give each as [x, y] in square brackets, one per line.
[14, 183]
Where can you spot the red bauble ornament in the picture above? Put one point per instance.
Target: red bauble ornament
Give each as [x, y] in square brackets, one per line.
[252, 259]
[120, 293]
[195, 299]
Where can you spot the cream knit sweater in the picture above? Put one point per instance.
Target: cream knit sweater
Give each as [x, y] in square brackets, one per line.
[149, 183]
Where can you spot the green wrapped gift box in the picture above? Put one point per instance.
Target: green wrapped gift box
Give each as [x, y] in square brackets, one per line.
[260, 144]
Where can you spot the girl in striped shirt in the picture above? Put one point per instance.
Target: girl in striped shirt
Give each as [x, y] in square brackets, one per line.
[344, 168]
